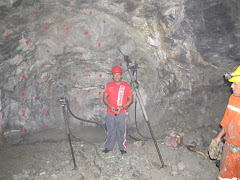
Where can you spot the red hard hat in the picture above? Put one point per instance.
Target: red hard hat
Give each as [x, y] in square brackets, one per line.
[116, 69]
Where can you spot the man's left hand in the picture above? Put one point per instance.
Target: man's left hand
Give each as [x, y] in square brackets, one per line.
[119, 109]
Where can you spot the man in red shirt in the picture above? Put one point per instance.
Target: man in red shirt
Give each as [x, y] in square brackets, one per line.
[230, 161]
[117, 97]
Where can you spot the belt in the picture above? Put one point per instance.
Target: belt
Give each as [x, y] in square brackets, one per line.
[230, 145]
[234, 149]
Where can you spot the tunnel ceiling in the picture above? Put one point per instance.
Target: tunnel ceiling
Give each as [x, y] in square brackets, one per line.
[50, 49]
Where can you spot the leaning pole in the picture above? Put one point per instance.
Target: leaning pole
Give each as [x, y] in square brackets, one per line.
[126, 58]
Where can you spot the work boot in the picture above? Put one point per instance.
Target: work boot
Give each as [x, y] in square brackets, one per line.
[123, 151]
[105, 150]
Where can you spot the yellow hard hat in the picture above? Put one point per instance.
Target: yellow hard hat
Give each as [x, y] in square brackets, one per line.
[235, 76]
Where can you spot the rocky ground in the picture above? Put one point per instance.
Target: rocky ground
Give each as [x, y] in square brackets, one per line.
[47, 155]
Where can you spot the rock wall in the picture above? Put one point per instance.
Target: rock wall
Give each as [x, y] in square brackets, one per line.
[50, 49]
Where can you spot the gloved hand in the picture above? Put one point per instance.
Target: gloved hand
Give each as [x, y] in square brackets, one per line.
[215, 150]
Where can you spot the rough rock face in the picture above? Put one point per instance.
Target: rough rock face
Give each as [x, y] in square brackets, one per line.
[51, 49]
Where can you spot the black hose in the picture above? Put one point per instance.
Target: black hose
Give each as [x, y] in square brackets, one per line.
[89, 121]
[136, 81]
[85, 120]
[144, 138]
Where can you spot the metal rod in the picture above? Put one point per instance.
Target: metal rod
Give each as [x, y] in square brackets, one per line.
[126, 58]
[144, 113]
[70, 143]
[63, 101]
[155, 143]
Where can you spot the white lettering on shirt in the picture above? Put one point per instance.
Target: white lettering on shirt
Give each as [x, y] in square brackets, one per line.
[120, 95]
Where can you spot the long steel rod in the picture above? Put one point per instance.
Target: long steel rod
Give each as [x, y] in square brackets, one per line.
[145, 114]
[63, 101]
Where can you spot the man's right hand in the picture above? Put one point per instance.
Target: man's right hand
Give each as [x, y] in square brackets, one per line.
[113, 109]
[105, 100]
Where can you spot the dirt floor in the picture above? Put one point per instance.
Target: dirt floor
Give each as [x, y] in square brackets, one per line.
[47, 155]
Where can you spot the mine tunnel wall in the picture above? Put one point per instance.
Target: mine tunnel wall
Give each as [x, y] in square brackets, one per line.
[54, 49]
